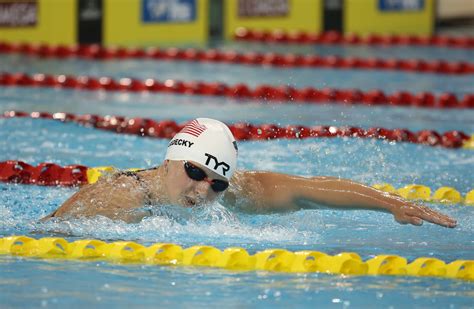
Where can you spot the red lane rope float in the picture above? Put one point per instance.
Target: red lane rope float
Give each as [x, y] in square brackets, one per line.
[241, 91]
[246, 131]
[251, 58]
[44, 174]
[332, 37]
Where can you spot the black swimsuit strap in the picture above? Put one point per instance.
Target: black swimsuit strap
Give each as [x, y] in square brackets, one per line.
[140, 180]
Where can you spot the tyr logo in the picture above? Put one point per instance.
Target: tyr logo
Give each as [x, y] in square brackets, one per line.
[225, 166]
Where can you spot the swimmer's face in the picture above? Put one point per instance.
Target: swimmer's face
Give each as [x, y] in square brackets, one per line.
[186, 192]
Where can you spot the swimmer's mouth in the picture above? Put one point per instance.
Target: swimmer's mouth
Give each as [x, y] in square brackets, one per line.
[189, 202]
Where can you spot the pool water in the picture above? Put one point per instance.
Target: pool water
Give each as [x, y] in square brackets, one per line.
[48, 283]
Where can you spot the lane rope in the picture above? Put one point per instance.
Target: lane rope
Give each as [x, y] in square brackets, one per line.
[333, 37]
[267, 93]
[50, 174]
[147, 127]
[289, 60]
[234, 258]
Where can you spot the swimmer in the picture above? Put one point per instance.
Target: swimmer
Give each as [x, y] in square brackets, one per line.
[199, 168]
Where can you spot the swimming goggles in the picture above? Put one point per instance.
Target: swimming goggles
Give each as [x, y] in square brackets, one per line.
[195, 173]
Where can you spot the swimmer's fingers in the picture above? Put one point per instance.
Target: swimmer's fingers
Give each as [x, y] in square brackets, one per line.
[427, 214]
[409, 220]
[415, 221]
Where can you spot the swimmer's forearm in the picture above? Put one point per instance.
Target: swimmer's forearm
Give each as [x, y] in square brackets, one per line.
[280, 192]
[344, 194]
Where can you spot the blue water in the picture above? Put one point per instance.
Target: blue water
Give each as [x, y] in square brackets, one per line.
[41, 283]
[182, 107]
[363, 51]
[251, 75]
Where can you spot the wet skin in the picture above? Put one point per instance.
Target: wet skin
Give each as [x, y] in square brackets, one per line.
[122, 197]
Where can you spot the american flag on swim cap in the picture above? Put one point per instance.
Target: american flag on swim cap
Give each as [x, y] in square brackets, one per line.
[194, 128]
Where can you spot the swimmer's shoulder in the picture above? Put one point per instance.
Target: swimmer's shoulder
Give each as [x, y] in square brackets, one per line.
[114, 192]
[244, 192]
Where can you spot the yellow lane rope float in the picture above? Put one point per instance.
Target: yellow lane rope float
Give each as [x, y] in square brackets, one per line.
[235, 259]
[469, 144]
[444, 195]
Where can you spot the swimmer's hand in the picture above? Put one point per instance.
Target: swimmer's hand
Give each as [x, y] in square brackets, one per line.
[416, 214]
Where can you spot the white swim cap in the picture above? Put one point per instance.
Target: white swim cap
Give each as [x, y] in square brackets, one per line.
[208, 142]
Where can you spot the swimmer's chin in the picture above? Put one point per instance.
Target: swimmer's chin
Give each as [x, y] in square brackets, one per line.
[190, 202]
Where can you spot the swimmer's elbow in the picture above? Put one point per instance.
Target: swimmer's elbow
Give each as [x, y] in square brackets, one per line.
[48, 217]
[45, 219]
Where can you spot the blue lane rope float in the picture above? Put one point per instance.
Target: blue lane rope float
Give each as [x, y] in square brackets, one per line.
[234, 258]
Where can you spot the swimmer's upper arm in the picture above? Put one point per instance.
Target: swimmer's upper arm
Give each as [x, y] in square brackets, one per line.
[259, 191]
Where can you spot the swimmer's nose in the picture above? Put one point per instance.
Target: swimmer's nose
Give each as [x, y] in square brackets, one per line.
[202, 189]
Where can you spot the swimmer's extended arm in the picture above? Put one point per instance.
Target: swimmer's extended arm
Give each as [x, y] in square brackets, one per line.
[278, 192]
